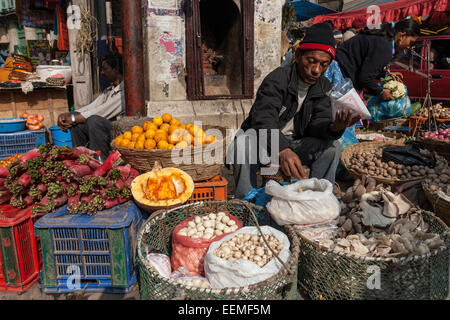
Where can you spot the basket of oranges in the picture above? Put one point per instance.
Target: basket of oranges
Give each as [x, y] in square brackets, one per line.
[165, 139]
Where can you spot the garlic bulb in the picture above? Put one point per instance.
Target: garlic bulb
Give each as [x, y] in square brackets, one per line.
[209, 226]
[253, 249]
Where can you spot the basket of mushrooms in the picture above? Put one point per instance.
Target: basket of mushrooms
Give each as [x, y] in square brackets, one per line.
[437, 190]
[381, 247]
[366, 158]
[207, 246]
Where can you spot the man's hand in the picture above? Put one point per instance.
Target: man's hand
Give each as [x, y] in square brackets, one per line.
[387, 95]
[65, 121]
[291, 164]
[344, 119]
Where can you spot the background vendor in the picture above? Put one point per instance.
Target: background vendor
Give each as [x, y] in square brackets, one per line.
[90, 126]
[294, 100]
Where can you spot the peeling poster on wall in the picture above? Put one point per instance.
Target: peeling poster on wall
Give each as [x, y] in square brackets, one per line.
[166, 4]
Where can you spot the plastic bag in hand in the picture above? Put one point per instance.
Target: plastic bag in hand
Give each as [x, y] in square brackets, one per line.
[344, 97]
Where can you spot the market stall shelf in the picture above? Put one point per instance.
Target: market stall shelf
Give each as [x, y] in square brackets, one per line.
[330, 274]
[47, 101]
[155, 236]
[19, 266]
[100, 249]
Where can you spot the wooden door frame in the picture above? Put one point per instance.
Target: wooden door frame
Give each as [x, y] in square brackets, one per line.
[194, 63]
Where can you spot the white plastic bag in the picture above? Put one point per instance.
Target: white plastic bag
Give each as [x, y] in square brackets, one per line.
[194, 281]
[344, 96]
[242, 272]
[315, 204]
[161, 263]
[317, 231]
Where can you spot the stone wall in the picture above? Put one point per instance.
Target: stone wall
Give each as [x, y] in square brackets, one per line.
[165, 59]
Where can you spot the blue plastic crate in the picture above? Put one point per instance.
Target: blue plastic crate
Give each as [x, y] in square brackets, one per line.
[17, 142]
[40, 137]
[101, 248]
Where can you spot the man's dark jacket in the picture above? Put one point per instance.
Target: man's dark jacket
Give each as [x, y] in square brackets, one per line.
[280, 89]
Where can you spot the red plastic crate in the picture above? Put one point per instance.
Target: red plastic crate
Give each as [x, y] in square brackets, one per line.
[214, 189]
[19, 266]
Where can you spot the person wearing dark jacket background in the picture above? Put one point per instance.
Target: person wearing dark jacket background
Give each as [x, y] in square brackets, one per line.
[293, 100]
[364, 57]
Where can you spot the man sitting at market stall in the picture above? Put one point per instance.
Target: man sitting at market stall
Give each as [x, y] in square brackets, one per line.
[90, 126]
[294, 100]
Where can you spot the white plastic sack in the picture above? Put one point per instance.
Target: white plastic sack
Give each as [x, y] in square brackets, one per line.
[242, 272]
[350, 101]
[161, 263]
[315, 204]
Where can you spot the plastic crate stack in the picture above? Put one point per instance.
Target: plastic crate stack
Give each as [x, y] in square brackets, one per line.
[85, 253]
[211, 190]
[20, 142]
[19, 266]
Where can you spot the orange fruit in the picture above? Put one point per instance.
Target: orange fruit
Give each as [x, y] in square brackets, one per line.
[182, 126]
[181, 145]
[152, 126]
[127, 135]
[167, 117]
[150, 144]
[139, 145]
[210, 139]
[131, 144]
[165, 126]
[158, 121]
[141, 137]
[171, 146]
[137, 129]
[125, 142]
[146, 125]
[172, 129]
[175, 138]
[189, 125]
[163, 144]
[175, 122]
[161, 131]
[150, 134]
[160, 137]
[118, 141]
[135, 136]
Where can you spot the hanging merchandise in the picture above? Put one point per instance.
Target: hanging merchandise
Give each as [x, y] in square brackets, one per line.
[62, 30]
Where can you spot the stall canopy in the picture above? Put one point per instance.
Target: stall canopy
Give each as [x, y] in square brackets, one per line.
[392, 11]
[306, 10]
[358, 4]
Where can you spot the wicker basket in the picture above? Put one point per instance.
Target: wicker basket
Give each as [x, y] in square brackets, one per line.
[144, 160]
[348, 153]
[329, 275]
[440, 205]
[441, 147]
[155, 236]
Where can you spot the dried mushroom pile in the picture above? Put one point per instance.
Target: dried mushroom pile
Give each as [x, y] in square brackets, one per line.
[378, 223]
[370, 163]
[250, 247]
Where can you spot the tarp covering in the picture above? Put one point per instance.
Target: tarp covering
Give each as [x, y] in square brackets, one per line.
[306, 10]
[358, 4]
[392, 11]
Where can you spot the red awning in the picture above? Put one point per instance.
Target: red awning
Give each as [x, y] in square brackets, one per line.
[392, 11]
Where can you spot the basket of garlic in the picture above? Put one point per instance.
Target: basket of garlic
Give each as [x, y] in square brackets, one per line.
[157, 233]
